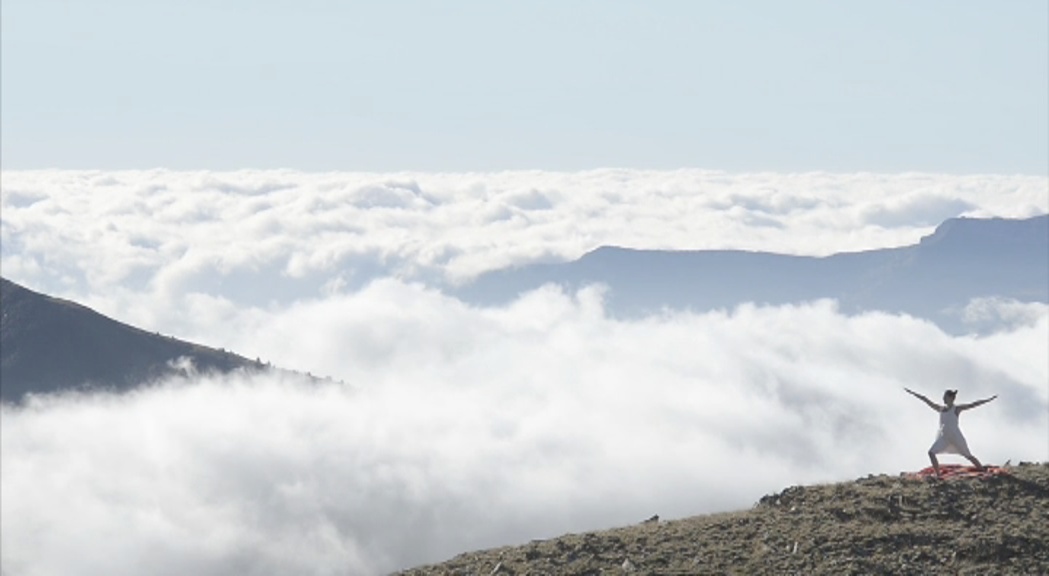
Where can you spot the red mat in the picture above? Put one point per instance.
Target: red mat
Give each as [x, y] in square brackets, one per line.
[948, 471]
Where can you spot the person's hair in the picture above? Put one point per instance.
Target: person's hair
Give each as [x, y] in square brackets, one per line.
[951, 393]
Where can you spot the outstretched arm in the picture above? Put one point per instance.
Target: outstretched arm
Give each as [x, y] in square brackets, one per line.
[931, 404]
[961, 407]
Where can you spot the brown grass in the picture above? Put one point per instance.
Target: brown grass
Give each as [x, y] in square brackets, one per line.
[876, 525]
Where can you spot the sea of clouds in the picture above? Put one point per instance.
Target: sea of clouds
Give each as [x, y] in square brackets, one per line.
[447, 427]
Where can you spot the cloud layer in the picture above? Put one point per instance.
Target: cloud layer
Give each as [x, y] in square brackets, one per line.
[448, 427]
[458, 428]
[263, 237]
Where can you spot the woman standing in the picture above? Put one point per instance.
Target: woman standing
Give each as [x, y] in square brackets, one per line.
[950, 439]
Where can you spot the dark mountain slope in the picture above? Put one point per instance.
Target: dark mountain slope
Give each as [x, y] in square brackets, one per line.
[48, 344]
[964, 259]
[878, 525]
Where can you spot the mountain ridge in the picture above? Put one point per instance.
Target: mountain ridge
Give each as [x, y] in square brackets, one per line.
[49, 344]
[963, 259]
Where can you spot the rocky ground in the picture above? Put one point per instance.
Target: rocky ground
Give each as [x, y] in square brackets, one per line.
[876, 525]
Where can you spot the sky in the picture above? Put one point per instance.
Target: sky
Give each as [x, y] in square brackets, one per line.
[955, 87]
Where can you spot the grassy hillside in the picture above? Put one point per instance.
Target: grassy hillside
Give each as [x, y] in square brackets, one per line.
[876, 525]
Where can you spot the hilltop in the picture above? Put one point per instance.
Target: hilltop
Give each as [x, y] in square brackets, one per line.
[49, 344]
[875, 525]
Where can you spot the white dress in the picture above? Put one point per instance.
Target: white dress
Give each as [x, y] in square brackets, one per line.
[950, 439]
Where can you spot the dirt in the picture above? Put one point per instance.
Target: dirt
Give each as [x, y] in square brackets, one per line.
[875, 525]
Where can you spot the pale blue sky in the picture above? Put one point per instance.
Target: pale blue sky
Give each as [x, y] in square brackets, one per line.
[887, 86]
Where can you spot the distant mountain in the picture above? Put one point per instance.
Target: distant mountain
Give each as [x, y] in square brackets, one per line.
[964, 258]
[875, 525]
[48, 344]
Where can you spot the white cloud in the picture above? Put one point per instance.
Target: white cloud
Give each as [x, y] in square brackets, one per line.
[994, 313]
[460, 428]
[256, 237]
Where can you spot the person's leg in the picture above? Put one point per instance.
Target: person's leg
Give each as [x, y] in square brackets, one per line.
[935, 463]
[963, 448]
[975, 462]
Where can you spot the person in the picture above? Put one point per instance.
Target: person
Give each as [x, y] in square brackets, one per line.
[950, 439]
